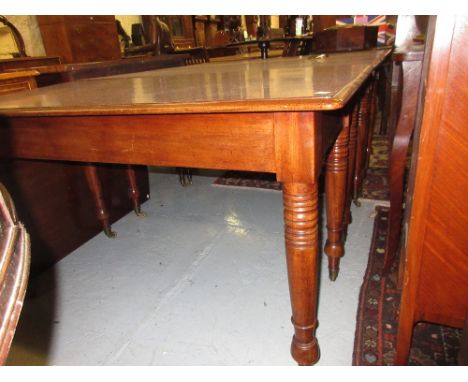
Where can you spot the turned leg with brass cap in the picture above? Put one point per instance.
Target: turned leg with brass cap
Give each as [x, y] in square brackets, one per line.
[362, 139]
[300, 203]
[133, 191]
[185, 176]
[335, 192]
[95, 187]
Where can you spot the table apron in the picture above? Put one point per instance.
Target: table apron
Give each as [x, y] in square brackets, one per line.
[219, 141]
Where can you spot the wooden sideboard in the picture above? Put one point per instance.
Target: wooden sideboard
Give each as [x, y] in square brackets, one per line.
[435, 285]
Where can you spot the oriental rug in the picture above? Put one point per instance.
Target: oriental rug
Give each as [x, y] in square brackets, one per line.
[377, 317]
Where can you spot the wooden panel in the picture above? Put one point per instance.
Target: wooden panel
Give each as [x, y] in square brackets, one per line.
[209, 141]
[445, 242]
[436, 275]
[94, 41]
[55, 37]
[80, 38]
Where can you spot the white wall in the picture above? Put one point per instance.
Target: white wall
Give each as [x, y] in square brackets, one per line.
[29, 29]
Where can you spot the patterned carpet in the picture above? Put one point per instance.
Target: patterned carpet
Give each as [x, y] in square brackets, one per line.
[377, 318]
[244, 179]
[375, 184]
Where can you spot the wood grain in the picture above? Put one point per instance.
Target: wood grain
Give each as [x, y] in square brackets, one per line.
[436, 275]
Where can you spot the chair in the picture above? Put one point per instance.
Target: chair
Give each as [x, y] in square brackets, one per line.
[15, 257]
[16, 35]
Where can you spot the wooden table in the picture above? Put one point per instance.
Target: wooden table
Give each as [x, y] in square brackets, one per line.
[280, 115]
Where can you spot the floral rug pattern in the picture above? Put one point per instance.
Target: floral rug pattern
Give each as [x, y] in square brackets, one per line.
[377, 318]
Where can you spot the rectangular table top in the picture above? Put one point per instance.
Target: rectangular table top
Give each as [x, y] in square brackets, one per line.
[303, 83]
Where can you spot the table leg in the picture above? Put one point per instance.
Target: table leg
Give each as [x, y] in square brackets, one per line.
[351, 164]
[335, 193]
[362, 136]
[133, 190]
[300, 203]
[95, 187]
[185, 176]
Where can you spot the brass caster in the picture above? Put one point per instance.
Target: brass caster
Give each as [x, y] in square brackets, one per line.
[139, 212]
[333, 274]
[109, 233]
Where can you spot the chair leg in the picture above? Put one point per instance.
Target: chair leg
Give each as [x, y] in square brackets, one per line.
[95, 187]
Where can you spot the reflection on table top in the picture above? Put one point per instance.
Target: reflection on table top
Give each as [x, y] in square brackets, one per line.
[277, 84]
[248, 56]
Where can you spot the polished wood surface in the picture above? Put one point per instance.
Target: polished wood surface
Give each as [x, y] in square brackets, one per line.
[435, 287]
[283, 83]
[273, 116]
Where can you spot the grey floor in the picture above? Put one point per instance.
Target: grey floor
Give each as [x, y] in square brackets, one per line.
[201, 280]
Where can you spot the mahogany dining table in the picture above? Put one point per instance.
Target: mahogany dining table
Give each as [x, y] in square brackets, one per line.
[285, 115]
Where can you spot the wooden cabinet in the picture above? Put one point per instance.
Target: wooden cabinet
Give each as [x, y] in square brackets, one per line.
[435, 286]
[80, 38]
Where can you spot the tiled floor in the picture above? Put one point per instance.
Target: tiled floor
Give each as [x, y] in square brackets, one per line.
[201, 280]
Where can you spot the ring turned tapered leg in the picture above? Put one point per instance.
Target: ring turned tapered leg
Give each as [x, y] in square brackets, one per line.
[351, 165]
[335, 193]
[94, 185]
[134, 191]
[361, 150]
[300, 203]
